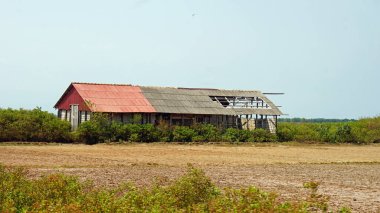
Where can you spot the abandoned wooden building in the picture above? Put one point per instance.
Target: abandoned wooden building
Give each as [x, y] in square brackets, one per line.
[176, 106]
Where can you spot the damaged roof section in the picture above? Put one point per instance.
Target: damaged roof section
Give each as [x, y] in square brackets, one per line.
[200, 101]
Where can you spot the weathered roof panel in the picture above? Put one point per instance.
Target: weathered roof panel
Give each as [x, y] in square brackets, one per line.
[198, 101]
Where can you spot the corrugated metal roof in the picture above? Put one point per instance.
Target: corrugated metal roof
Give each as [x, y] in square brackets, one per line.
[113, 98]
[198, 101]
[128, 98]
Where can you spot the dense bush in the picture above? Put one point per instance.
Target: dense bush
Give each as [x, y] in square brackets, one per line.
[236, 135]
[366, 130]
[206, 133]
[262, 135]
[37, 125]
[183, 134]
[100, 129]
[231, 135]
[256, 135]
[361, 131]
[193, 192]
[32, 125]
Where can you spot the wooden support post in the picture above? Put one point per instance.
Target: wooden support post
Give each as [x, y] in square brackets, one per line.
[182, 120]
[275, 118]
[240, 123]
[247, 118]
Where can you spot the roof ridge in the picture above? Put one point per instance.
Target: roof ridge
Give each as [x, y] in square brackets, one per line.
[182, 88]
[195, 88]
[89, 83]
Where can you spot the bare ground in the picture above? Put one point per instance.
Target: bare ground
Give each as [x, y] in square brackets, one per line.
[349, 174]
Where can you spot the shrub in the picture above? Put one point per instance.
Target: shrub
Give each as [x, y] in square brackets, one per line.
[149, 133]
[32, 125]
[141, 132]
[15, 190]
[90, 133]
[285, 132]
[118, 132]
[165, 132]
[240, 135]
[249, 199]
[206, 133]
[262, 135]
[98, 129]
[321, 132]
[231, 135]
[183, 134]
[306, 132]
[326, 132]
[132, 132]
[343, 134]
[244, 135]
[362, 131]
[366, 130]
[192, 188]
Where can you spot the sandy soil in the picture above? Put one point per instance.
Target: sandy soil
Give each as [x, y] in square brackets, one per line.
[349, 174]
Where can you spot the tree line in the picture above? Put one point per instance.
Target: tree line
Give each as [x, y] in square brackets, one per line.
[314, 120]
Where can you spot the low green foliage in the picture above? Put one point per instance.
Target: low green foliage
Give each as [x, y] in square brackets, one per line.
[361, 131]
[37, 125]
[32, 125]
[206, 133]
[231, 135]
[101, 129]
[193, 192]
[367, 130]
[262, 135]
[183, 134]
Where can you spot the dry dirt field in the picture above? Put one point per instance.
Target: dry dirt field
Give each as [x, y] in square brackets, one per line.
[349, 174]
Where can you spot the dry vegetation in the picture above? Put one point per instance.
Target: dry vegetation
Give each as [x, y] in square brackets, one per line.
[348, 173]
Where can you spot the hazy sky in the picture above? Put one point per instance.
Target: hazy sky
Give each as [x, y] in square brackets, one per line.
[323, 54]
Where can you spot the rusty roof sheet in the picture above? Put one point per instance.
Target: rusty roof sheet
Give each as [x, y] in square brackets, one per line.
[113, 98]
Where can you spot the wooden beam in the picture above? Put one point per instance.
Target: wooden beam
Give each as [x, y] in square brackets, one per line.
[273, 93]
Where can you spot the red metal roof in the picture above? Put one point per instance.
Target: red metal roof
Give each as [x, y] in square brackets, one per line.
[109, 98]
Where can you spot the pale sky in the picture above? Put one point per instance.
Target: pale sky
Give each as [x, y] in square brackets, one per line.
[323, 54]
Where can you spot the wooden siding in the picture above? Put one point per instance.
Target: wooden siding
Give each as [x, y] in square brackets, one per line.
[72, 97]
